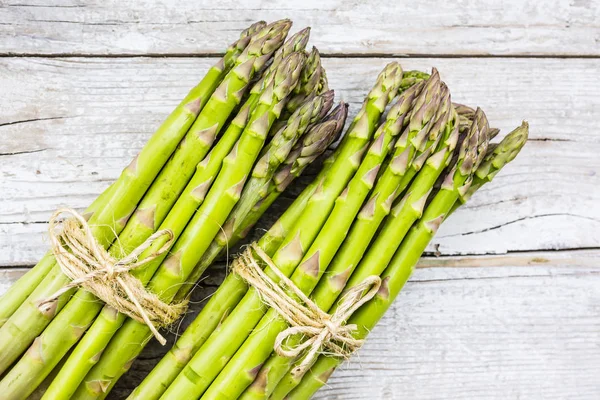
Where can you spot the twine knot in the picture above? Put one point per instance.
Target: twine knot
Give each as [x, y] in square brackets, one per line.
[322, 333]
[90, 266]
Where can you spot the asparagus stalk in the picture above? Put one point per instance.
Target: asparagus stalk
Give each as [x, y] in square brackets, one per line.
[168, 135]
[224, 342]
[263, 176]
[276, 154]
[29, 321]
[83, 307]
[167, 369]
[273, 238]
[224, 193]
[400, 268]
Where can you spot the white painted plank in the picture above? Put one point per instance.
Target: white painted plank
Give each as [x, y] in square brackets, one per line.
[89, 116]
[495, 327]
[341, 27]
[517, 333]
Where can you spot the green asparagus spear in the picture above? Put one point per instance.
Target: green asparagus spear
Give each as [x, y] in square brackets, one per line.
[276, 154]
[273, 238]
[219, 201]
[222, 344]
[260, 176]
[457, 181]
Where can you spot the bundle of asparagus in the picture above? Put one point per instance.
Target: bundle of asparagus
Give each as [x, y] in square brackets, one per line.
[368, 216]
[346, 245]
[200, 171]
[451, 195]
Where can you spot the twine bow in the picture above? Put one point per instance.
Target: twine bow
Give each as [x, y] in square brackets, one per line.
[322, 332]
[90, 266]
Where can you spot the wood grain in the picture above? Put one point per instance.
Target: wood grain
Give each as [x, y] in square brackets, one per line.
[495, 336]
[520, 325]
[495, 327]
[467, 27]
[68, 126]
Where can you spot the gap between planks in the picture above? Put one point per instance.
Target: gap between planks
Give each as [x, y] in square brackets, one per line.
[588, 257]
[323, 55]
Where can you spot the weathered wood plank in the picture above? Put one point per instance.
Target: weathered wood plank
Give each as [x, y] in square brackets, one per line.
[68, 126]
[498, 337]
[341, 27]
[496, 327]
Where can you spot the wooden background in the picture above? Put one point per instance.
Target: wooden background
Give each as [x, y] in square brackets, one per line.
[507, 306]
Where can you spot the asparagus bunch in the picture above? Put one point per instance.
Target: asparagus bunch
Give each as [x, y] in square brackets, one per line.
[111, 209]
[80, 311]
[222, 197]
[454, 188]
[376, 209]
[237, 375]
[237, 140]
[394, 229]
